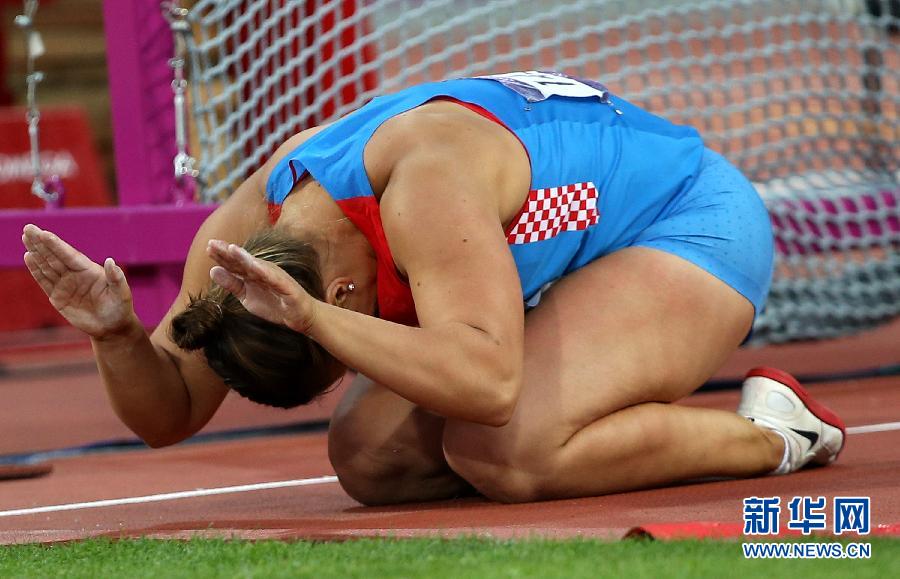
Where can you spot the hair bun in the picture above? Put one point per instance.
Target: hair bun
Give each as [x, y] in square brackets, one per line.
[199, 323]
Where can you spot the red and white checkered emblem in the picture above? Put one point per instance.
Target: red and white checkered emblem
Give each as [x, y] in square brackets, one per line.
[551, 211]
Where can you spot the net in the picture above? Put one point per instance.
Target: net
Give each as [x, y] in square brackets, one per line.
[801, 95]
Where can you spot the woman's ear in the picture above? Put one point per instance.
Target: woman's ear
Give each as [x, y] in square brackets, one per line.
[339, 291]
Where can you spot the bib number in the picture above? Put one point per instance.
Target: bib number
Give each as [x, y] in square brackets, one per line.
[536, 86]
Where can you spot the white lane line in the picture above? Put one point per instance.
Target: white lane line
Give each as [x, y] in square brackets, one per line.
[172, 496]
[884, 426]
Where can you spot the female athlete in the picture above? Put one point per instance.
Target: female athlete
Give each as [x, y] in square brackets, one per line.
[523, 269]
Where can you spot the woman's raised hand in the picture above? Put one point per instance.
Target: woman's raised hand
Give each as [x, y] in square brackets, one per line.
[263, 288]
[94, 298]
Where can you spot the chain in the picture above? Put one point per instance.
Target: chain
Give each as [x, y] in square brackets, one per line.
[50, 190]
[185, 164]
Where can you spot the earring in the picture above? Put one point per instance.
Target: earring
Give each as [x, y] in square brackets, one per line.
[351, 286]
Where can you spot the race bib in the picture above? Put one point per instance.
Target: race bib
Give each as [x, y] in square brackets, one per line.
[536, 86]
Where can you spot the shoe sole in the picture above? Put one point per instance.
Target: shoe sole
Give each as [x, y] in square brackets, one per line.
[818, 409]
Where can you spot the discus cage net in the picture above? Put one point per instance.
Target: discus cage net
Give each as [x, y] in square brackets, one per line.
[802, 95]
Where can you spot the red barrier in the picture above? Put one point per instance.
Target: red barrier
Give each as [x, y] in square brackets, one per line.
[67, 150]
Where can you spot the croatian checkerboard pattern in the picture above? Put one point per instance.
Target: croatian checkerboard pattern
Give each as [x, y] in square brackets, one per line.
[553, 210]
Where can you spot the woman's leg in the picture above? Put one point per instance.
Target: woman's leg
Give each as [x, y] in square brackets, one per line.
[605, 350]
[387, 450]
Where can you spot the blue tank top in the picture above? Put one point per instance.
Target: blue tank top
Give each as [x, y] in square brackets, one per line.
[602, 170]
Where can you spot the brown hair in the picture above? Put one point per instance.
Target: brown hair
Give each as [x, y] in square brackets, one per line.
[264, 362]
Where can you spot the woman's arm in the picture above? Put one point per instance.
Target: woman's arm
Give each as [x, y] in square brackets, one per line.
[160, 392]
[465, 359]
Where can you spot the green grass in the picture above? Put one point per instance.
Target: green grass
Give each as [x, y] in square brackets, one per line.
[431, 558]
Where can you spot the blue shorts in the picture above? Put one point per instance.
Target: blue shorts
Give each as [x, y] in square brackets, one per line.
[721, 225]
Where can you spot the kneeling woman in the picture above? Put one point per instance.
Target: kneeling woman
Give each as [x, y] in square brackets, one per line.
[523, 269]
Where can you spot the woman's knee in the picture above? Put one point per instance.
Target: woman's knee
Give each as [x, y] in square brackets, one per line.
[371, 470]
[362, 474]
[388, 473]
[499, 469]
[378, 475]
[386, 450]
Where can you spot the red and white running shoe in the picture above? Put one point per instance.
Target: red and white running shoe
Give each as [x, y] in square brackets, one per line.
[814, 435]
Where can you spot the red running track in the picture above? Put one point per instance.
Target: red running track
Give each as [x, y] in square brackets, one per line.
[870, 466]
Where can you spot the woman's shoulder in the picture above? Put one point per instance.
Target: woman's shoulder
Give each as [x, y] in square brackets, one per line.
[286, 148]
